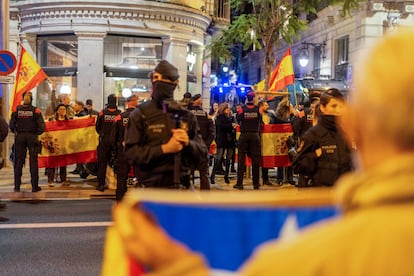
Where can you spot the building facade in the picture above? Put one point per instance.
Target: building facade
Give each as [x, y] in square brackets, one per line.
[91, 49]
[332, 41]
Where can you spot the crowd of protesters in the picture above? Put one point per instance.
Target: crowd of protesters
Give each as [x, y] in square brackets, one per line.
[319, 154]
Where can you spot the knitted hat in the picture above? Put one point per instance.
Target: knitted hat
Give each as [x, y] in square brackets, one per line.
[89, 102]
[167, 70]
[314, 95]
[251, 95]
[196, 97]
[132, 97]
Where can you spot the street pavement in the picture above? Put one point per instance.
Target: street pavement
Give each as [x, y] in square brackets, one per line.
[85, 188]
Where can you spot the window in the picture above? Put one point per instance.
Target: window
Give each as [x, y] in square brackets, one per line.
[58, 57]
[342, 49]
[341, 58]
[128, 60]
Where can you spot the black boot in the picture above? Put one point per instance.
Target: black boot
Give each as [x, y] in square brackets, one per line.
[226, 172]
[213, 172]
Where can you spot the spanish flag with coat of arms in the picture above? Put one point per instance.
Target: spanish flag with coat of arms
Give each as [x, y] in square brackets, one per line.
[29, 75]
[281, 76]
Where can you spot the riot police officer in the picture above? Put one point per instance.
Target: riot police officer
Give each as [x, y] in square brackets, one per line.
[249, 119]
[121, 164]
[161, 138]
[207, 131]
[106, 129]
[27, 123]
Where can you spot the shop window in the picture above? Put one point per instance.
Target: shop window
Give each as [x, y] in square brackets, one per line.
[128, 61]
[58, 57]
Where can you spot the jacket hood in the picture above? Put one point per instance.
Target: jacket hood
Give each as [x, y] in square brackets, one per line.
[390, 182]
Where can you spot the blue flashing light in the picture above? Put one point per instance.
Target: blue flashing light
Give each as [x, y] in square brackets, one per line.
[242, 89]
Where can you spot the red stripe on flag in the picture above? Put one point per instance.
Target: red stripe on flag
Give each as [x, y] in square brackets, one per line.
[135, 268]
[67, 159]
[275, 161]
[70, 124]
[271, 128]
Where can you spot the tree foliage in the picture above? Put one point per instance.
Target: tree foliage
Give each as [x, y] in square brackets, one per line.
[264, 24]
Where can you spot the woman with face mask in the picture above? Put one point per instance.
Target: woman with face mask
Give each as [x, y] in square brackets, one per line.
[323, 154]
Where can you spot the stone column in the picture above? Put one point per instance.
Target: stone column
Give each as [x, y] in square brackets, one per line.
[175, 51]
[198, 68]
[90, 67]
[206, 72]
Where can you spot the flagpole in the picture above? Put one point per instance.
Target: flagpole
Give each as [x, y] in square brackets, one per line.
[273, 93]
[16, 79]
[294, 94]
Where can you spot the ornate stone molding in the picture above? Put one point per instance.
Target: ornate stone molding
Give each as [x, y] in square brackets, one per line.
[45, 13]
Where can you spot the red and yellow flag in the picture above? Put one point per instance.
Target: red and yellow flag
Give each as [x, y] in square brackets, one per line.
[29, 75]
[274, 145]
[68, 142]
[283, 75]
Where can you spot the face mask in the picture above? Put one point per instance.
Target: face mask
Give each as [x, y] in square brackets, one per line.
[162, 91]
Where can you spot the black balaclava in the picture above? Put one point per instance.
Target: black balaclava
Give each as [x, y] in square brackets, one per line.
[162, 91]
[111, 101]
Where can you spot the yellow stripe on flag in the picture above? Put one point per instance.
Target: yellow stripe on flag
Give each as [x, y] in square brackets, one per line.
[283, 75]
[68, 142]
[274, 145]
[28, 75]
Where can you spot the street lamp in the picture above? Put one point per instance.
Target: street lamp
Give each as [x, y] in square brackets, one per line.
[304, 54]
[304, 57]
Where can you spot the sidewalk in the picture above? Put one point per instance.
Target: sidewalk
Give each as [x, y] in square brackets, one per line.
[79, 188]
[85, 188]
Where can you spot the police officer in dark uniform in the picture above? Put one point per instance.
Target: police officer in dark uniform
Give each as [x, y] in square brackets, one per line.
[27, 123]
[323, 155]
[105, 126]
[121, 164]
[161, 138]
[207, 131]
[4, 131]
[249, 118]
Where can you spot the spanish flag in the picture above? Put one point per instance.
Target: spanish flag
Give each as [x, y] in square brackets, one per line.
[29, 75]
[68, 142]
[274, 145]
[283, 75]
[275, 150]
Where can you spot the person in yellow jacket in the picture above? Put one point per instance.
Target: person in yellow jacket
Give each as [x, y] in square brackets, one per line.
[375, 234]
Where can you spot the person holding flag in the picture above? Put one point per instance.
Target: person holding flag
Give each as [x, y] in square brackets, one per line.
[26, 120]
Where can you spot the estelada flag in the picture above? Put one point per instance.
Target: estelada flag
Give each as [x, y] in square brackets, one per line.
[283, 75]
[68, 142]
[274, 145]
[28, 76]
[231, 225]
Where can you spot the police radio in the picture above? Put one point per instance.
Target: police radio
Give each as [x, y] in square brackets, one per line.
[177, 110]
